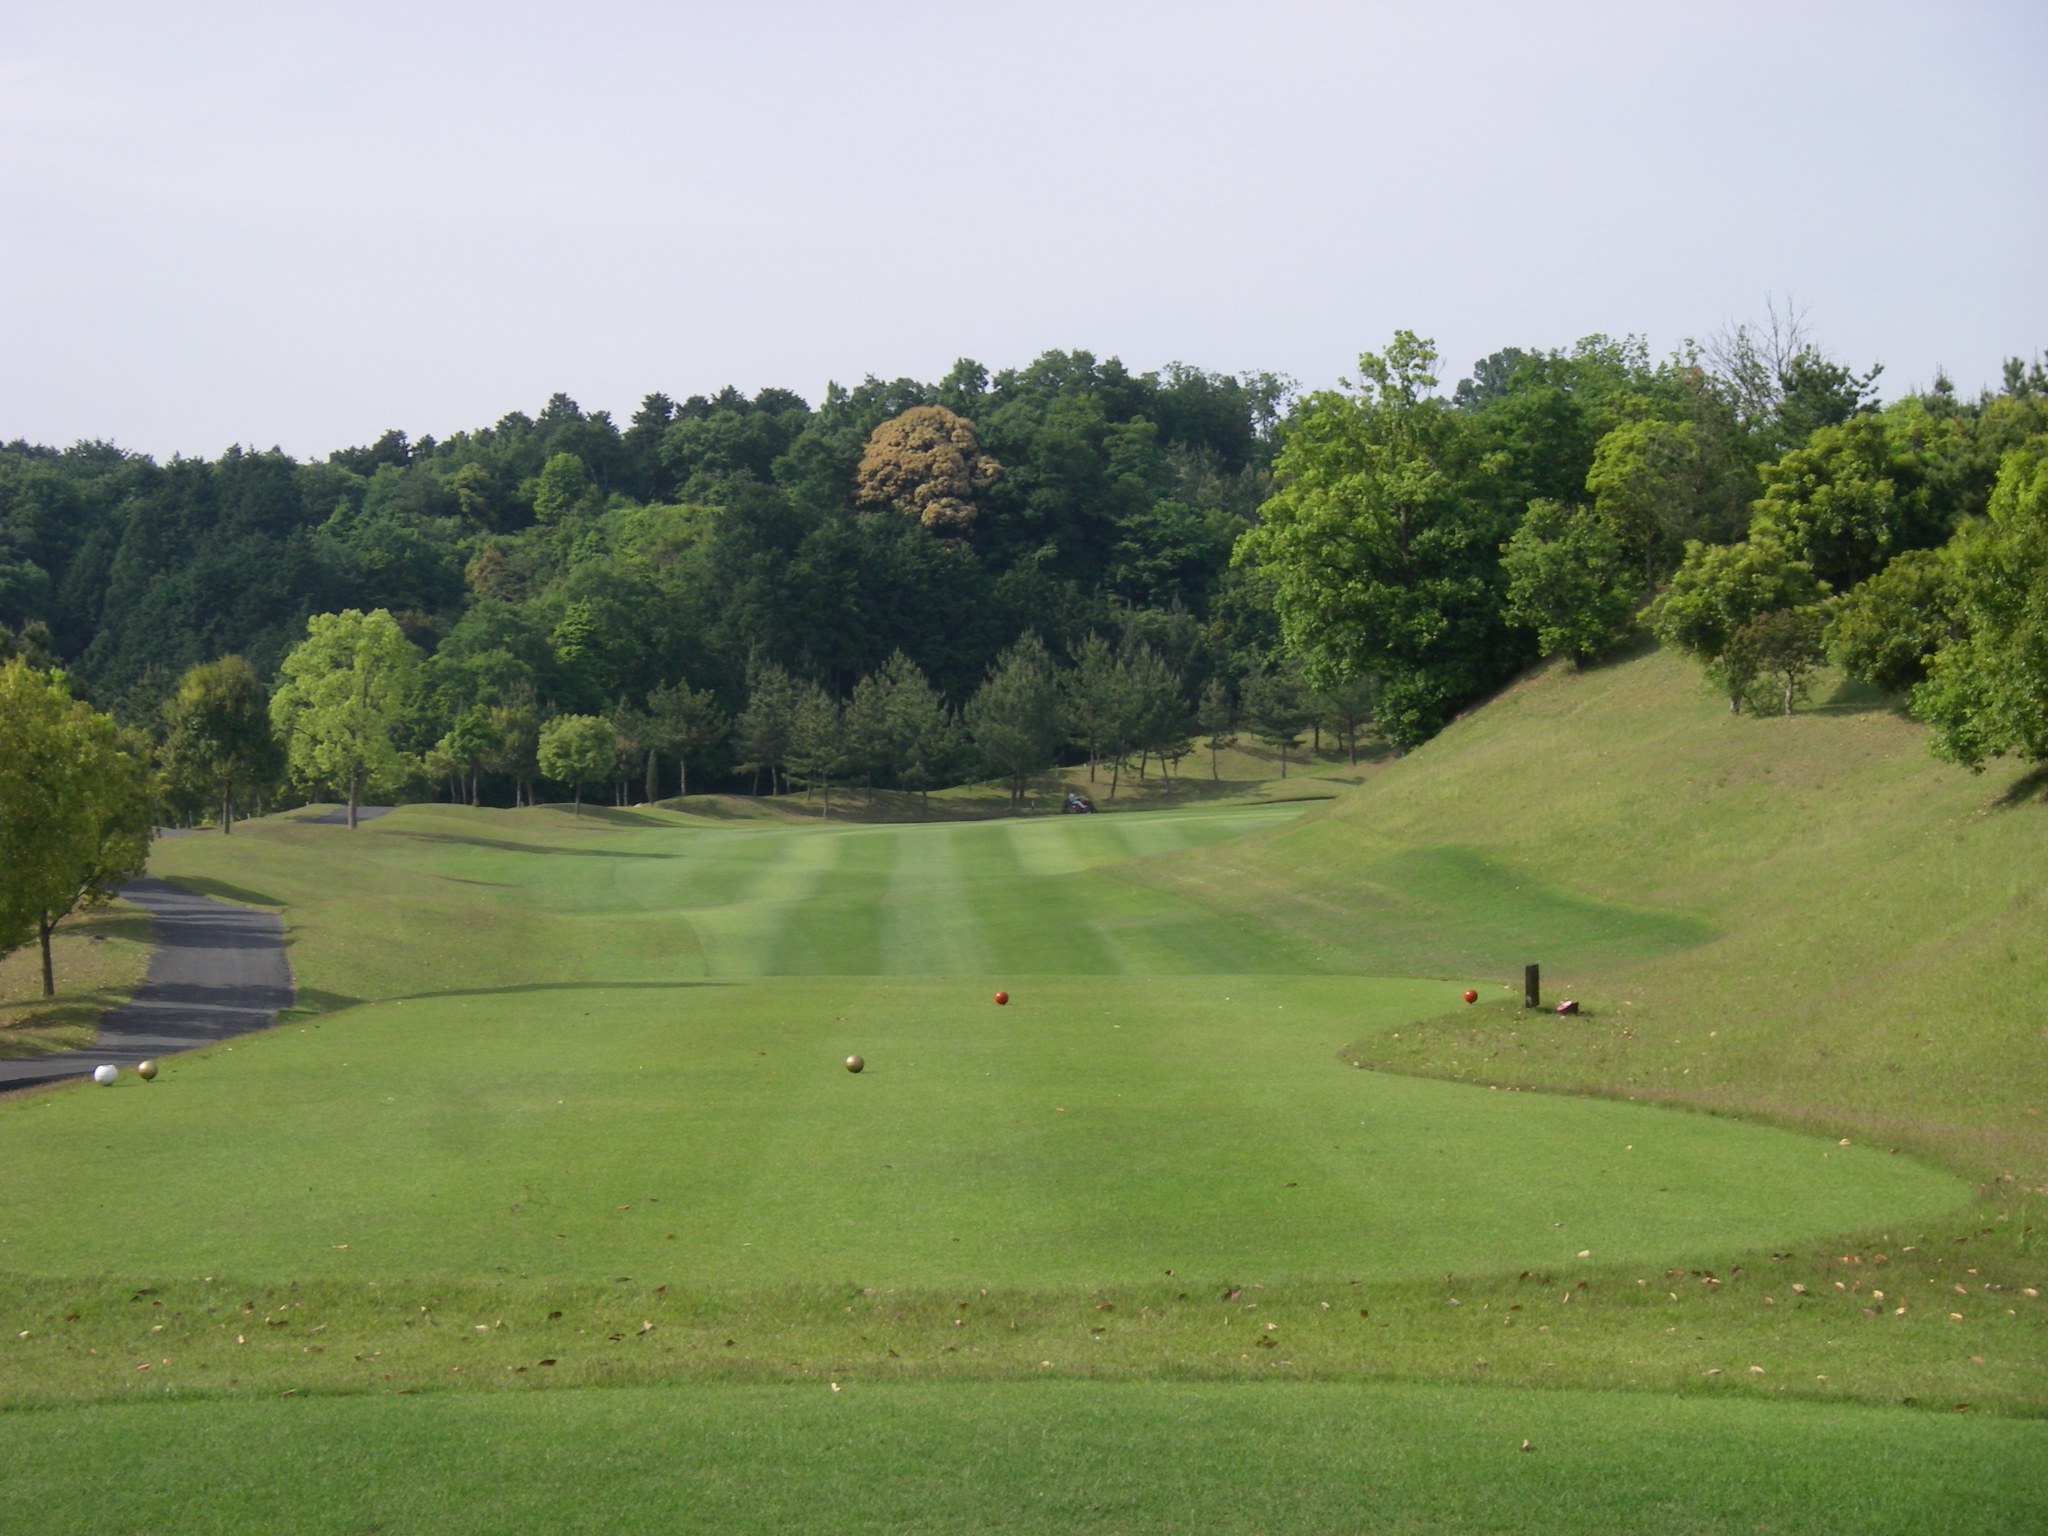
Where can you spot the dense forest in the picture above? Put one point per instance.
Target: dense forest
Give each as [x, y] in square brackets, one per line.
[912, 583]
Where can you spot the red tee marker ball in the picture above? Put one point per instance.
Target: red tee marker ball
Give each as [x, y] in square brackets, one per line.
[1001, 998]
[1471, 996]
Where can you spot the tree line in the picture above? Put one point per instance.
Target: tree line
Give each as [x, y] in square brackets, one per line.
[736, 591]
[1751, 500]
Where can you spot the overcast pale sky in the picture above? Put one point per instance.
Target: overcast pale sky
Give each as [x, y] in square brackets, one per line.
[299, 224]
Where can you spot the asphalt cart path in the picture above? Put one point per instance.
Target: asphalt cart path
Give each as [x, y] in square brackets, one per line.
[218, 970]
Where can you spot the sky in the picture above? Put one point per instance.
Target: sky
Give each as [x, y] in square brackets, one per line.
[299, 224]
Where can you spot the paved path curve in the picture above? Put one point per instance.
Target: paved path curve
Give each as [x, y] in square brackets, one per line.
[217, 971]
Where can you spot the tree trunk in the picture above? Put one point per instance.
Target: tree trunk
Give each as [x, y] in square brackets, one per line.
[682, 774]
[1283, 759]
[43, 927]
[227, 809]
[355, 784]
[653, 775]
[1116, 773]
[579, 801]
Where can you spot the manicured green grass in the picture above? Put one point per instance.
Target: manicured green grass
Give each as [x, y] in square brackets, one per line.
[1096, 1131]
[1041, 1456]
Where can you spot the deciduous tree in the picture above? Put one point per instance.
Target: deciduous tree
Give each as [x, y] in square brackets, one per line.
[1721, 587]
[926, 463]
[218, 723]
[1569, 581]
[343, 693]
[1381, 564]
[577, 750]
[74, 808]
[1986, 693]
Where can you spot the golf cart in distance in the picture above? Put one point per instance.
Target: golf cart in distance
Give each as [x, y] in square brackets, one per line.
[1077, 805]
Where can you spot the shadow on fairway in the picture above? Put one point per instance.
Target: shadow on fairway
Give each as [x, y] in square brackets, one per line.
[313, 1000]
[1853, 698]
[615, 816]
[2028, 786]
[201, 885]
[569, 986]
[506, 845]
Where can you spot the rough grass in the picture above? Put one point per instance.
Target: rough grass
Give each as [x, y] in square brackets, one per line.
[99, 958]
[1871, 960]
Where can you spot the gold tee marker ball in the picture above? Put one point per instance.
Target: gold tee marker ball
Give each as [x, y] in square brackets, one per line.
[146, 1071]
[854, 1063]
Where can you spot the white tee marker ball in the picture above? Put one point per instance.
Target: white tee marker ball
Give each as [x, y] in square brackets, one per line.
[105, 1074]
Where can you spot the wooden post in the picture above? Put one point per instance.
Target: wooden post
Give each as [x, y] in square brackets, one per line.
[1532, 986]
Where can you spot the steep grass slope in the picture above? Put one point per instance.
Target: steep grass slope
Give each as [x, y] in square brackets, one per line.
[1870, 957]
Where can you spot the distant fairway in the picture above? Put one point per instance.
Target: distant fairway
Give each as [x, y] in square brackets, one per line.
[436, 899]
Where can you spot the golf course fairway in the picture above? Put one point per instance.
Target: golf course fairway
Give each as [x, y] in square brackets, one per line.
[552, 1206]
[1096, 1131]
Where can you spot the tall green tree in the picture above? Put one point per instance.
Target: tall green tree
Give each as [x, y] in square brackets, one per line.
[577, 750]
[1986, 693]
[218, 722]
[683, 721]
[762, 731]
[1382, 564]
[1346, 710]
[1091, 699]
[1721, 588]
[1014, 717]
[1152, 716]
[817, 742]
[1569, 580]
[1885, 629]
[1848, 500]
[75, 808]
[1216, 718]
[344, 691]
[1276, 705]
[1645, 484]
[924, 735]
[468, 744]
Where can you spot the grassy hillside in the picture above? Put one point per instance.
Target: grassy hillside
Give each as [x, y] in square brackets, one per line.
[1870, 957]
